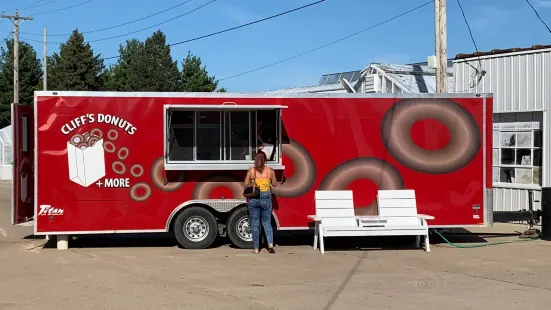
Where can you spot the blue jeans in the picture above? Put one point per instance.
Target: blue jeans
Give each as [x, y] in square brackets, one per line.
[260, 211]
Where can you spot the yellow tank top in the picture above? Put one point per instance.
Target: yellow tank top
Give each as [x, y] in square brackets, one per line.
[263, 184]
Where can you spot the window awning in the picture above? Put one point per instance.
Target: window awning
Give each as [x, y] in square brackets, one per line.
[225, 107]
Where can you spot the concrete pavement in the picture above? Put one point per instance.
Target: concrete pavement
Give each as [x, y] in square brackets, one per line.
[150, 272]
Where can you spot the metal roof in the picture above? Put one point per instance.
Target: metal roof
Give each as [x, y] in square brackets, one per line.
[419, 83]
[411, 69]
[336, 88]
[415, 78]
[503, 51]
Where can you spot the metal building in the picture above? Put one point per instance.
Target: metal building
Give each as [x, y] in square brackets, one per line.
[377, 78]
[520, 80]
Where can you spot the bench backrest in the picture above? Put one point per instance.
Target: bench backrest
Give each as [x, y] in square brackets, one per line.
[399, 207]
[337, 208]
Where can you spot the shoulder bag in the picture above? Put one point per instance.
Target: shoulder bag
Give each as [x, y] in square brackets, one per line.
[251, 190]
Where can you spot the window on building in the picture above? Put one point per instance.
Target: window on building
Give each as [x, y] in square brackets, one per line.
[225, 138]
[517, 141]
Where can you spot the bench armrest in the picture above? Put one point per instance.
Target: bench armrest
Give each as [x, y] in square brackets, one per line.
[426, 217]
[315, 218]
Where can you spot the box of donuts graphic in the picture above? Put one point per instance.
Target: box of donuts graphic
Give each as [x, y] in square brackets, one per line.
[86, 157]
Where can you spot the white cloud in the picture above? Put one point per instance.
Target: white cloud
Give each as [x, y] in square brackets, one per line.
[489, 17]
[236, 14]
[542, 3]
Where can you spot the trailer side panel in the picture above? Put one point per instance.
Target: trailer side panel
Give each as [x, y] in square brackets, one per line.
[101, 158]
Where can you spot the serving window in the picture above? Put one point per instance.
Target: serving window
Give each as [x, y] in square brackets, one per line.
[221, 137]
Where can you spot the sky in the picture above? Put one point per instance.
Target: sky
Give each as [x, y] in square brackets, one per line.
[495, 24]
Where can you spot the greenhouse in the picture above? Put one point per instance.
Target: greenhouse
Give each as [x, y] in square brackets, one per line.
[6, 155]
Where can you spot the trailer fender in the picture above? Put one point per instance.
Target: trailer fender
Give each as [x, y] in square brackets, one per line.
[275, 219]
[217, 206]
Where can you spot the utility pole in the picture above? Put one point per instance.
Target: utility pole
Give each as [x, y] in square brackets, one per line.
[441, 46]
[15, 19]
[45, 63]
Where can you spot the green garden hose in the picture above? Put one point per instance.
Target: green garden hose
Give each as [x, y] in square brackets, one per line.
[479, 245]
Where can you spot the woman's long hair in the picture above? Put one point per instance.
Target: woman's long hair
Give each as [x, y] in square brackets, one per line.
[260, 161]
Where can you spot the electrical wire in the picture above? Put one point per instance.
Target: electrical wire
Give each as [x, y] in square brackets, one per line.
[139, 30]
[200, 37]
[478, 72]
[538, 15]
[328, 44]
[240, 26]
[112, 27]
[248, 24]
[63, 9]
[468, 26]
[34, 4]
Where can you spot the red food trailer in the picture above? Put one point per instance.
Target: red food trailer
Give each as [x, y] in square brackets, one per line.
[135, 162]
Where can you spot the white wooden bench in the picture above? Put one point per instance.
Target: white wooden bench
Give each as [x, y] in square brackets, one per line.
[397, 217]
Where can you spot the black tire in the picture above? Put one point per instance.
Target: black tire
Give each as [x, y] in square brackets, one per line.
[201, 223]
[237, 229]
[240, 236]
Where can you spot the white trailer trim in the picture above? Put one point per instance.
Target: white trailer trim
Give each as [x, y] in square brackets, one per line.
[35, 160]
[99, 232]
[487, 204]
[230, 165]
[255, 95]
[217, 107]
[14, 130]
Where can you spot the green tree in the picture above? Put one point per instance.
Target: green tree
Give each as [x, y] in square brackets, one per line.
[196, 78]
[30, 73]
[75, 67]
[145, 66]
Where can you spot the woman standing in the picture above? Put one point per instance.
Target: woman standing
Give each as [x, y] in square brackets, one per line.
[260, 207]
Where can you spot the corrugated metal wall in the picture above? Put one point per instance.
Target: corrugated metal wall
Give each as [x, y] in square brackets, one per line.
[513, 199]
[520, 82]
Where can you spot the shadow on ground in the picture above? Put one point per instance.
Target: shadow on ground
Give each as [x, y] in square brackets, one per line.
[281, 238]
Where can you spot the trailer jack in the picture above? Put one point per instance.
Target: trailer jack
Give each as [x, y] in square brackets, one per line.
[533, 218]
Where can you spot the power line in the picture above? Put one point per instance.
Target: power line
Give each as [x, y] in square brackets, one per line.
[328, 44]
[478, 71]
[248, 24]
[240, 26]
[139, 30]
[203, 36]
[34, 4]
[538, 15]
[63, 9]
[116, 26]
[466, 22]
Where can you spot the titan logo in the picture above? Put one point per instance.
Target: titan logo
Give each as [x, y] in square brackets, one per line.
[49, 210]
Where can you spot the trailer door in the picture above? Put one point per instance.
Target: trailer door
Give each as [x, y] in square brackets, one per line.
[23, 163]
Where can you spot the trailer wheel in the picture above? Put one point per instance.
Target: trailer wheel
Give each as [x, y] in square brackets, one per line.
[239, 229]
[195, 228]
